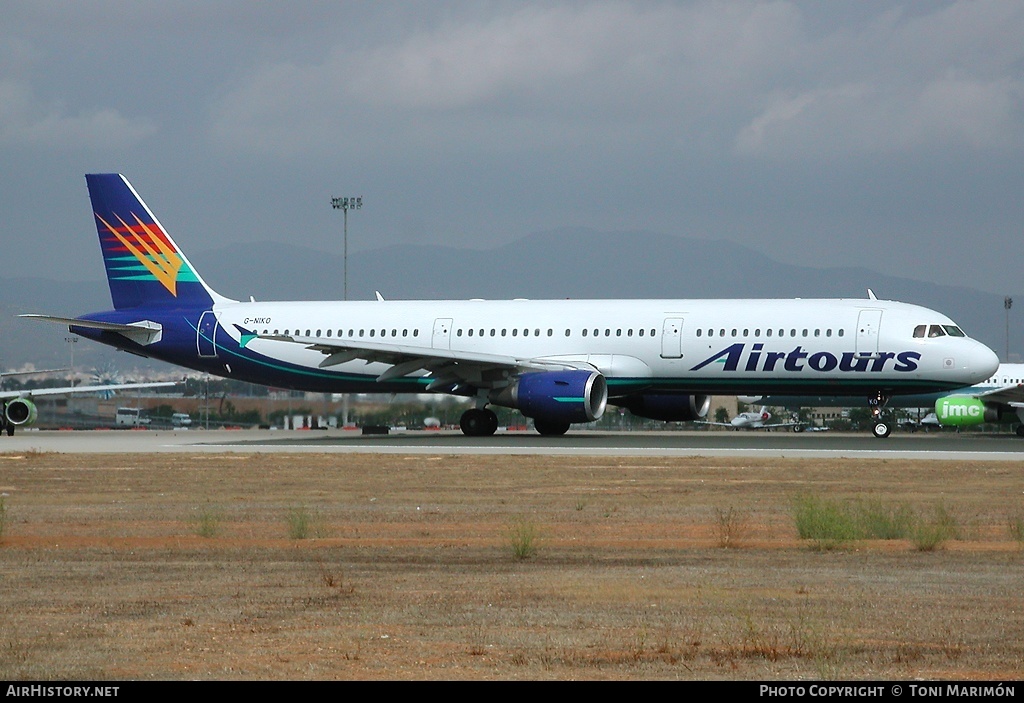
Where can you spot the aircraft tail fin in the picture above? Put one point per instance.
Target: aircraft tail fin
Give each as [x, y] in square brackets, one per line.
[144, 266]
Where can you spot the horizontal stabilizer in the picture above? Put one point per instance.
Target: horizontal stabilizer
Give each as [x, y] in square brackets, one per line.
[143, 332]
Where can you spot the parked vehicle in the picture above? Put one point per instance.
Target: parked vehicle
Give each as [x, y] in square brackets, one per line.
[131, 417]
[181, 420]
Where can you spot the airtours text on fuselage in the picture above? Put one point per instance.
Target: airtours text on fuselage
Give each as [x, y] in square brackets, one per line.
[736, 357]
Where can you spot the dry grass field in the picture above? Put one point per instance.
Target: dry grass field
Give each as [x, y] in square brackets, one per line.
[337, 566]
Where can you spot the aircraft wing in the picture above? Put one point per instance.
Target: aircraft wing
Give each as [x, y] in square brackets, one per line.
[783, 424]
[1007, 394]
[445, 366]
[11, 374]
[68, 390]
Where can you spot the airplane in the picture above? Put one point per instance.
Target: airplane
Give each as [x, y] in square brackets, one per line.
[754, 421]
[17, 408]
[1000, 398]
[558, 362]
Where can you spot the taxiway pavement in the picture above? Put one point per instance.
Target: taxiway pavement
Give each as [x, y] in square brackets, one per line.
[924, 446]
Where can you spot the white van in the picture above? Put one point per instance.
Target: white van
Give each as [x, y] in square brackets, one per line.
[181, 420]
[130, 417]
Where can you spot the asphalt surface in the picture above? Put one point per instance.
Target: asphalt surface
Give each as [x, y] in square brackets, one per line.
[944, 445]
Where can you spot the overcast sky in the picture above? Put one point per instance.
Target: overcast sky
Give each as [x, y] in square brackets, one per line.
[882, 134]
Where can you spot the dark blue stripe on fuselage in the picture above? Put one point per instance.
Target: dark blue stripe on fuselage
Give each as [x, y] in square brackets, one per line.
[179, 346]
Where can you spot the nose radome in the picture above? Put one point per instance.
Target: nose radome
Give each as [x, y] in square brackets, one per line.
[982, 363]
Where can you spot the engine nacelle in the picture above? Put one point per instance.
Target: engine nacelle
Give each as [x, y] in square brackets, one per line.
[556, 396]
[964, 411]
[21, 411]
[667, 407]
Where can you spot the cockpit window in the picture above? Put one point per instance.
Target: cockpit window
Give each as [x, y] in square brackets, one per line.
[953, 331]
[920, 330]
[936, 331]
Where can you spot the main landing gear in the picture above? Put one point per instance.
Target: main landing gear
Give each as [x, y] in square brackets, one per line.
[880, 428]
[479, 422]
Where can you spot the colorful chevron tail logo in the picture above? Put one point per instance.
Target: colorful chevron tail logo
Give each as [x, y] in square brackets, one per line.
[148, 245]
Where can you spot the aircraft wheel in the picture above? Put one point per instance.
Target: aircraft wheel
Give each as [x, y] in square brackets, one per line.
[551, 429]
[1020, 430]
[881, 430]
[477, 422]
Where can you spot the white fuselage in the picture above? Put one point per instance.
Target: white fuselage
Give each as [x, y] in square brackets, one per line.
[849, 346]
[751, 420]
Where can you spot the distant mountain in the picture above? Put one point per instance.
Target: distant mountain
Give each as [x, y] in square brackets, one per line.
[566, 263]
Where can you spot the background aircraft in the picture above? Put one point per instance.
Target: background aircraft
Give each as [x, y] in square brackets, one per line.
[927, 422]
[754, 421]
[557, 361]
[1000, 398]
[18, 410]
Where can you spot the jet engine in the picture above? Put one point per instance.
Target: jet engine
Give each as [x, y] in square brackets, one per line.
[964, 411]
[562, 397]
[667, 407]
[21, 411]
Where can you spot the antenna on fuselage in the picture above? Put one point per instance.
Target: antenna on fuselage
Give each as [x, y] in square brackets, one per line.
[871, 295]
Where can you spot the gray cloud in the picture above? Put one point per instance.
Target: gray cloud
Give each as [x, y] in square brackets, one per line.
[748, 75]
[884, 133]
[26, 122]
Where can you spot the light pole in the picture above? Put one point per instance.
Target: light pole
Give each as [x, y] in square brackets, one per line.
[72, 341]
[1007, 303]
[346, 204]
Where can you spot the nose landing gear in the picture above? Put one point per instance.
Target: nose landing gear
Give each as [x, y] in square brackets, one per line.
[879, 428]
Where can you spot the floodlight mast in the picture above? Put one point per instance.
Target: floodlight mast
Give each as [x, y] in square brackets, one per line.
[346, 204]
[1007, 303]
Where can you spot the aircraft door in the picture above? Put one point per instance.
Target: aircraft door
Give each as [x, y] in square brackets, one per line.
[442, 338]
[206, 333]
[868, 324]
[672, 338]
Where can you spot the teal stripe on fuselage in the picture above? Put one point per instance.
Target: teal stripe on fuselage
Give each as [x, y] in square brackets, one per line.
[617, 387]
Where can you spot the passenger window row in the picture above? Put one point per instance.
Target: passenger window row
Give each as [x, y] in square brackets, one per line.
[920, 331]
[770, 332]
[351, 333]
[469, 332]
